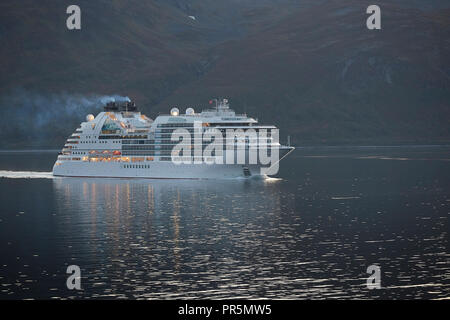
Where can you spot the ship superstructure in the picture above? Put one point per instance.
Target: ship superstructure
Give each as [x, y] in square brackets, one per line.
[122, 142]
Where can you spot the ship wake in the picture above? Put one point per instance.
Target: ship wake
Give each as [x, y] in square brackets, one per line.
[25, 174]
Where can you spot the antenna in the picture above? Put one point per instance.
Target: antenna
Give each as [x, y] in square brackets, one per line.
[215, 100]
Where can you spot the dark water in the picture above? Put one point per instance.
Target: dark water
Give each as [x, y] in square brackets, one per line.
[310, 234]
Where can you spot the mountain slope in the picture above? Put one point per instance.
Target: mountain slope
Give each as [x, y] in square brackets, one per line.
[323, 76]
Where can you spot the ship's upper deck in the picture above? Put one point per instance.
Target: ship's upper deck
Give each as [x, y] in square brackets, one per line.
[127, 120]
[219, 116]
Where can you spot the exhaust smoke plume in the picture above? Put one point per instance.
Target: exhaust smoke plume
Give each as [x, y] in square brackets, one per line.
[34, 119]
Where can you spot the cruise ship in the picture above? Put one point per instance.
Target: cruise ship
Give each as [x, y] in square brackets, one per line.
[216, 143]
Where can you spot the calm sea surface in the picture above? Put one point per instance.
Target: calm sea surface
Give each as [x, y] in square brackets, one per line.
[311, 233]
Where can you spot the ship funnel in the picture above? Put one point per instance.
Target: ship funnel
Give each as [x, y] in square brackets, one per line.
[129, 106]
[111, 106]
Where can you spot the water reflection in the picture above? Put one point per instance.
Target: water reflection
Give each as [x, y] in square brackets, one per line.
[164, 234]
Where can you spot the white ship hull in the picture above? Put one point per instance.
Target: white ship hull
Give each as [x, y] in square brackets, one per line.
[155, 170]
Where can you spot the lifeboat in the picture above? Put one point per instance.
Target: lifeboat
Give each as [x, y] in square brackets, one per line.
[117, 153]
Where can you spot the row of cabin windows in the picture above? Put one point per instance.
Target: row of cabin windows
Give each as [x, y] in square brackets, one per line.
[190, 127]
[152, 147]
[146, 153]
[172, 130]
[175, 125]
[98, 141]
[138, 141]
[169, 141]
[224, 134]
[230, 124]
[224, 124]
[236, 140]
[166, 153]
[123, 137]
[137, 166]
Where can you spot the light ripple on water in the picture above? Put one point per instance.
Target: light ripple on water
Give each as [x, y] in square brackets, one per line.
[246, 238]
